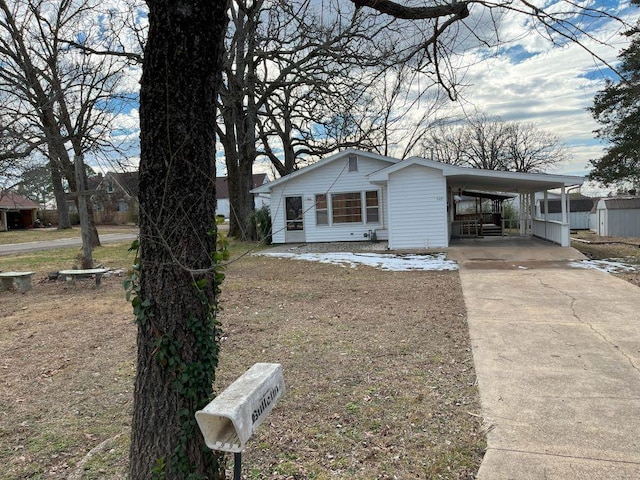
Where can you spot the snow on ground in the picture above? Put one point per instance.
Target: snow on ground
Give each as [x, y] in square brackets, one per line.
[391, 262]
[608, 266]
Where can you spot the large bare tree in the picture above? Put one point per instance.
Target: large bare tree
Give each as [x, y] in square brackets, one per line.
[177, 350]
[293, 78]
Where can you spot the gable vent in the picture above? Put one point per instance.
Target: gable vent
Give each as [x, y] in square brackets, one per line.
[353, 163]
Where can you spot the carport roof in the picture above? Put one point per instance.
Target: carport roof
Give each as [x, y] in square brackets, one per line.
[467, 178]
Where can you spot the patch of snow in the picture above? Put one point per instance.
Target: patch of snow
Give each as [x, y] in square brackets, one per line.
[607, 266]
[391, 262]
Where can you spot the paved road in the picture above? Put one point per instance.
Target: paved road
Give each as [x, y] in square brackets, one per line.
[14, 248]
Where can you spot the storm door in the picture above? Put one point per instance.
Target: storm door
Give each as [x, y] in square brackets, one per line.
[294, 220]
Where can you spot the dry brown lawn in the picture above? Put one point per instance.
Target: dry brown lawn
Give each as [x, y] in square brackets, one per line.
[625, 249]
[378, 370]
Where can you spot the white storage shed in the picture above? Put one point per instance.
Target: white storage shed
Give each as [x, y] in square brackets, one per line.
[618, 217]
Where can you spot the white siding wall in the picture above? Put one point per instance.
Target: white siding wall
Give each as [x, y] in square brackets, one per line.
[577, 220]
[417, 208]
[222, 205]
[601, 219]
[622, 223]
[333, 177]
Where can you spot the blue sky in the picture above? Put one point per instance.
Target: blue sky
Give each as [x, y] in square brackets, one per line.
[531, 80]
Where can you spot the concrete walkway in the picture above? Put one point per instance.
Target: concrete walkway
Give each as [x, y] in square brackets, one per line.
[557, 356]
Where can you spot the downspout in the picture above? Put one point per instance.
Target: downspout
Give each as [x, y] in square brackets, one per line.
[566, 205]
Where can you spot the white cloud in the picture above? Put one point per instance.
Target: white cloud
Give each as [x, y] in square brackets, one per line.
[551, 88]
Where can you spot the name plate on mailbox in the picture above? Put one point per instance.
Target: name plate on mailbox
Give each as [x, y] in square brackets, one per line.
[230, 419]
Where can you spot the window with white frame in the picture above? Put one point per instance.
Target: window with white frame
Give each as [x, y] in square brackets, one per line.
[372, 205]
[322, 211]
[349, 207]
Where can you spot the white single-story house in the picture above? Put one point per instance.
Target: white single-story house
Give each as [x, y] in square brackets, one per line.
[618, 217]
[355, 195]
[222, 194]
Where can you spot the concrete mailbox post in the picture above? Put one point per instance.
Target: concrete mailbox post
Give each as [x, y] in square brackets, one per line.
[231, 418]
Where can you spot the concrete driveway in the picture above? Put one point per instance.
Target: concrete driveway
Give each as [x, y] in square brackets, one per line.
[557, 357]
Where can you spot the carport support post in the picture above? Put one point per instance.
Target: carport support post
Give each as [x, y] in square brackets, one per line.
[532, 210]
[523, 199]
[546, 211]
[565, 217]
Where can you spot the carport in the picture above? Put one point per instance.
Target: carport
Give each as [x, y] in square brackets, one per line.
[421, 200]
[525, 185]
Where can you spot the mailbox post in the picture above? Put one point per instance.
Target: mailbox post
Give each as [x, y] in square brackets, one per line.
[230, 419]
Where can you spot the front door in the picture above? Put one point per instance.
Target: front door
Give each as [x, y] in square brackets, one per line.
[294, 220]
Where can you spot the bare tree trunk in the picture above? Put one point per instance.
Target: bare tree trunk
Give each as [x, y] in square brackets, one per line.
[177, 354]
[241, 202]
[64, 221]
[87, 257]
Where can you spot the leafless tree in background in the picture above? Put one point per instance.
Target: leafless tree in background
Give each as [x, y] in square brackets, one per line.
[63, 97]
[490, 143]
[287, 68]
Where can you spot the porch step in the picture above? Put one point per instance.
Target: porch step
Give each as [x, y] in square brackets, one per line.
[491, 231]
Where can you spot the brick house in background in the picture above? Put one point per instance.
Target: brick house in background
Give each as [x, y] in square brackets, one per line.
[115, 200]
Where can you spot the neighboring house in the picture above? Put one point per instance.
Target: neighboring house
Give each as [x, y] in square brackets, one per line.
[116, 197]
[355, 195]
[222, 194]
[16, 212]
[579, 211]
[618, 217]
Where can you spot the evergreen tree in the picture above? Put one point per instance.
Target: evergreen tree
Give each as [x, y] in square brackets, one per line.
[617, 109]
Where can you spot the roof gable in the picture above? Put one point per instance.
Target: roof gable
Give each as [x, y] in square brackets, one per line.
[11, 200]
[266, 188]
[383, 174]
[126, 181]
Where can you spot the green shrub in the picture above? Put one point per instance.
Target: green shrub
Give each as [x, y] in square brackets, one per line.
[511, 215]
[261, 218]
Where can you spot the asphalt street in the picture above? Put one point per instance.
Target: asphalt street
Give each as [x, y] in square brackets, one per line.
[14, 248]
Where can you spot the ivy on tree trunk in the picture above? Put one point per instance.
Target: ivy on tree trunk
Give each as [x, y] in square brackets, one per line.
[177, 350]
